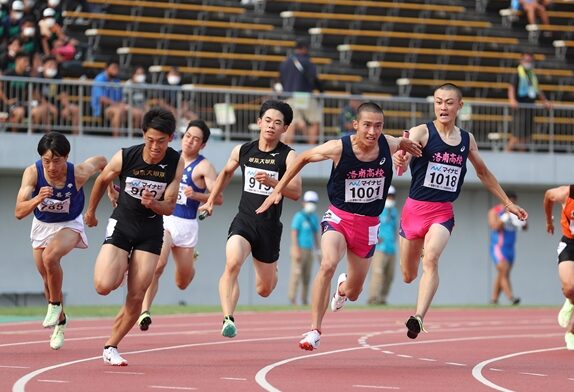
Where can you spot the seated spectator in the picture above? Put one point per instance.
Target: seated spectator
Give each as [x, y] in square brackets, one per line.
[8, 62]
[532, 8]
[11, 24]
[64, 49]
[173, 99]
[348, 114]
[50, 31]
[135, 95]
[54, 106]
[14, 93]
[31, 43]
[56, 5]
[4, 12]
[107, 101]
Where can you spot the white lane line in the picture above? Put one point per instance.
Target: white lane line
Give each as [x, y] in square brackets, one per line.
[55, 381]
[387, 352]
[571, 379]
[375, 387]
[477, 370]
[173, 388]
[427, 359]
[455, 364]
[404, 356]
[234, 378]
[534, 374]
[495, 370]
[261, 375]
[128, 373]
[14, 367]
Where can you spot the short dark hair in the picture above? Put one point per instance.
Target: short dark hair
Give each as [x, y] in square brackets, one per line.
[55, 142]
[20, 54]
[160, 119]
[281, 106]
[449, 86]
[370, 107]
[201, 125]
[302, 43]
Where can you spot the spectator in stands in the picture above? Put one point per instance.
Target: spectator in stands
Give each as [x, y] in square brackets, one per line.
[56, 5]
[9, 59]
[54, 105]
[173, 98]
[50, 31]
[31, 43]
[348, 115]
[298, 76]
[504, 227]
[135, 95]
[383, 263]
[532, 8]
[11, 25]
[107, 100]
[13, 93]
[4, 12]
[524, 89]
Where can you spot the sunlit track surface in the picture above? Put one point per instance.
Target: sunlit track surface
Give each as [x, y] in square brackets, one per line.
[506, 349]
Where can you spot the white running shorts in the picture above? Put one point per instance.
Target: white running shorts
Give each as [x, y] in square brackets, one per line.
[43, 232]
[184, 232]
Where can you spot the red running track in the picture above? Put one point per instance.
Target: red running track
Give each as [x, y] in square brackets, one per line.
[505, 349]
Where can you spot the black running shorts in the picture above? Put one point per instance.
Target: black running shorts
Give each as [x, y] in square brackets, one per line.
[263, 236]
[565, 250]
[135, 234]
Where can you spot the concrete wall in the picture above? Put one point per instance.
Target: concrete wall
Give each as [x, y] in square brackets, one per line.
[465, 268]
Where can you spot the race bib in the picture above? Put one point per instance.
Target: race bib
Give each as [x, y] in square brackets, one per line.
[251, 185]
[55, 206]
[181, 198]
[364, 190]
[135, 187]
[442, 177]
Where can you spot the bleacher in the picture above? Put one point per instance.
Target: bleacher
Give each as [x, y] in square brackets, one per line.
[383, 48]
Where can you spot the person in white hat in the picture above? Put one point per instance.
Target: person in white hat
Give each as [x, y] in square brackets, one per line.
[383, 264]
[304, 241]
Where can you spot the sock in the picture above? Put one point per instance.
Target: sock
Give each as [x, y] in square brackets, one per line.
[106, 347]
[230, 317]
[55, 303]
[62, 322]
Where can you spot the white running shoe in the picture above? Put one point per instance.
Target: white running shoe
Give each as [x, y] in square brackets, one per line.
[565, 313]
[57, 338]
[338, 301]
[310, 340]
[52, 316]
[112, 357]
[569, 339]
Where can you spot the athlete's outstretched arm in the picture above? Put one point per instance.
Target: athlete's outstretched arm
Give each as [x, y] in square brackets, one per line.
[293, 189]
[551, 196]
[109, 173]
[417, 136]
[223, 180]
[328, 150]
[88, 168]
[490, 181]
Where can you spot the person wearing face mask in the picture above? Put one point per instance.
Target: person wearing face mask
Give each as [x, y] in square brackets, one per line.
[11, 24]
[383, 265]
[170, 98]
[14, 93]
[523, 91]
[304, 242]
[54, 106]
[50, 30]
[135, 95]
[9, 58]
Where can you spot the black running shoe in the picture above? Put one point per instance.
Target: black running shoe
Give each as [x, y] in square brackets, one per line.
[144, 321]
[414, 325]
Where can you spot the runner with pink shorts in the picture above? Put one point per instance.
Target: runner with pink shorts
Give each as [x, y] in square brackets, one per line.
[427, 218]
[360, 179]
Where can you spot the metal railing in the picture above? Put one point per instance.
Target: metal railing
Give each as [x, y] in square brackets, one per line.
[36, 105]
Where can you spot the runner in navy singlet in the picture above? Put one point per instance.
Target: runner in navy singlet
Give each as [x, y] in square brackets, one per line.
[52, 189]
[360, 179]
[437, 177]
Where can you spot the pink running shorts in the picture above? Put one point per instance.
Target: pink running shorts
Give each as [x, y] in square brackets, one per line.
[418, 216]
